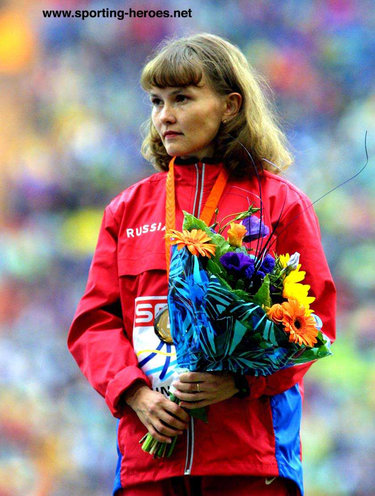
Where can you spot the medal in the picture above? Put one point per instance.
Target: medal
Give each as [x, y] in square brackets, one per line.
[162, 326]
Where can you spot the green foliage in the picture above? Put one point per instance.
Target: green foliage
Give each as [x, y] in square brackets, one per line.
[224, 282]
[191, 222]
[240, 284]
[235, 217]
[199, 413]
[215, 267]
[222, 245]
[263, 296]
[248, 213]
[243, 295]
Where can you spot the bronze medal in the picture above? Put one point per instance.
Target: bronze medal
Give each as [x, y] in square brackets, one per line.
[162, 326]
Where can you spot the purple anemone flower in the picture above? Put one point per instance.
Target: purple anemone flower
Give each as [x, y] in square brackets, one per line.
[237, 263]
[255, 229]
[268, 264]
[249, 272]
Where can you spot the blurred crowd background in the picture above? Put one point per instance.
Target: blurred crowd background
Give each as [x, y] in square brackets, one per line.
[71, 109]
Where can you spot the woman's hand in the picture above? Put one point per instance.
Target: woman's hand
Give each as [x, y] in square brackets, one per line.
[199, 389]
[162, 418]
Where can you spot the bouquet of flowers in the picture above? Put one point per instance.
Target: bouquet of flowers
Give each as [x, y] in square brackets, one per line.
[234, 310]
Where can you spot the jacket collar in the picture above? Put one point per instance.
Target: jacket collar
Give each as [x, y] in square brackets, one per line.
[187, 171]
[196, 160]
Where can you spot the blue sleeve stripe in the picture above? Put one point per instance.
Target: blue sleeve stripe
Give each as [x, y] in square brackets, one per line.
[117, 482]
[286, 410]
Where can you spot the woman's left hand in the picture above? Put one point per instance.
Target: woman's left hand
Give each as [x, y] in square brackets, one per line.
[199, 389]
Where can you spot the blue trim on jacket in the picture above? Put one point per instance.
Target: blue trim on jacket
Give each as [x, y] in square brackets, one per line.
[117, 482]
[286, 415]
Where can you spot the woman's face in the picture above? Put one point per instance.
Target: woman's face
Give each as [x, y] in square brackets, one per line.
[188, 119]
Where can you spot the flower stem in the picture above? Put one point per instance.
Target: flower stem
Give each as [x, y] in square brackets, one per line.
[237, 216]
[157, 448]
[162, 450]
[171, 447]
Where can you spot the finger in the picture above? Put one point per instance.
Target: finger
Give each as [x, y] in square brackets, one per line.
[177, 412]
[156, 410]
[174, 422]
[191, 405]
[166, 430]
[194, 376]
[158, 436]
[189, 387]
[190, 397]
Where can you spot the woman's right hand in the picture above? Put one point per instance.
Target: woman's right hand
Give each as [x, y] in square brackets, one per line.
[163, 418]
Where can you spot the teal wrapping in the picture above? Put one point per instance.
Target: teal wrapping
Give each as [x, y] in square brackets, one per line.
[214, 330]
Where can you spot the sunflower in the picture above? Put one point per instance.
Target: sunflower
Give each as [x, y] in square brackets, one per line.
[196, 241]
[295, 291]
[295, 276]
[300, 327]
[284, 259]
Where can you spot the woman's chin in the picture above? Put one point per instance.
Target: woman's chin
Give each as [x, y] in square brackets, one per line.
[176, 151]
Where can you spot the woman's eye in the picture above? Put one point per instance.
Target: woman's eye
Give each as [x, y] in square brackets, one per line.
[157, 102]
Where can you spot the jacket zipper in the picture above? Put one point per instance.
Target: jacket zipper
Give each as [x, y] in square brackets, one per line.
[189, 448]
[200, 171]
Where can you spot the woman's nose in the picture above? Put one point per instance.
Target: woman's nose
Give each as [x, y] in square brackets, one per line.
[167, 115]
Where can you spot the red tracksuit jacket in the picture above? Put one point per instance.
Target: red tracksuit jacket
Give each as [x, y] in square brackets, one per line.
[113, 341]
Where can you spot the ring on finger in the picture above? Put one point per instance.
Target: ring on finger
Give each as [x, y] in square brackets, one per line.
[198, 387]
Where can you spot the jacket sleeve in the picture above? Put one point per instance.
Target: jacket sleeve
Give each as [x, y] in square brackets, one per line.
[299, 232]
[96, 338]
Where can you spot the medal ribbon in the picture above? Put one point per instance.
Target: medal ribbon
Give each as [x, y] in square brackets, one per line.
[207, 212]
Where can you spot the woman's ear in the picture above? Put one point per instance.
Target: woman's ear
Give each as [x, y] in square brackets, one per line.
[233, 103]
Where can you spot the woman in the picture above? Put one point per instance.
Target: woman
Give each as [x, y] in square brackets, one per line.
[208, 113]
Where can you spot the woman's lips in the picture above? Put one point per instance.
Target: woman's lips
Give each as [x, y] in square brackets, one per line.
[171, 135]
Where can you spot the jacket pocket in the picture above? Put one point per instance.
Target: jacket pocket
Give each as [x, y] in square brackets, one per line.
[131, 266]
[141, 253]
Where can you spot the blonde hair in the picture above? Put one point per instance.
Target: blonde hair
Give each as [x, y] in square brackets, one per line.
[182, 62]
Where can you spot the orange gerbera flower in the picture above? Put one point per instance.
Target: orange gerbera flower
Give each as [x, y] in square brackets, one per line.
[236, 234]
[300, 327]
[196, 241]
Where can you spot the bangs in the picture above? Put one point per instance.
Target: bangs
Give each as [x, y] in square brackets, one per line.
[175, 66]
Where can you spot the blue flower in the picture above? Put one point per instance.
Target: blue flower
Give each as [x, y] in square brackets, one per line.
[250, 271]
[237, 263]
[255, 229]
[268, 264]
